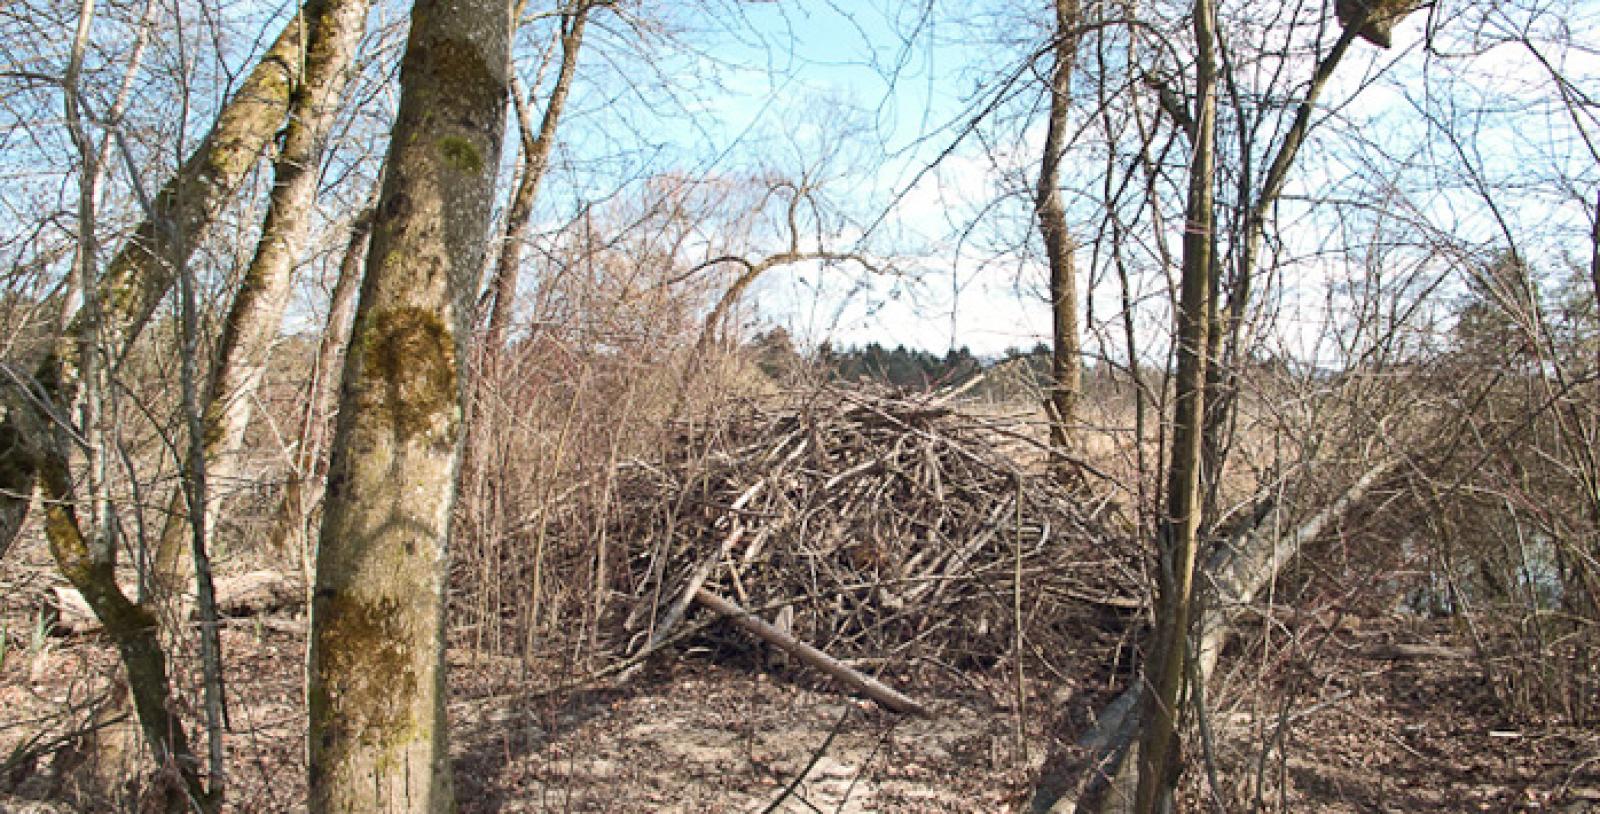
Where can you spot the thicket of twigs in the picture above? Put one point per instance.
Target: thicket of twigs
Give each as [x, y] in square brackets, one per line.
[875, 527]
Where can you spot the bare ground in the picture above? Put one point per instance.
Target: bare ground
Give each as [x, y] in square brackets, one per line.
[1378, 714]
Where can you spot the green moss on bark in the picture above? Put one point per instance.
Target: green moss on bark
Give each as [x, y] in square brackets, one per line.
[367, 679]
[411, 371]
[461, 154]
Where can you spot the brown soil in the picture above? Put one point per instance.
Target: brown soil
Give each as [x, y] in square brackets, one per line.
[1368, 726]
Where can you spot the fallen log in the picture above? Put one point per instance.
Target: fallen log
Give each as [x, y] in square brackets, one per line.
[251, 594]
[1234, 574]
[850, 677]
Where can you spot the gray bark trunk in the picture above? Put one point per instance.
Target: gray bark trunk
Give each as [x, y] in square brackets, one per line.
[535, 158]
[333, 29]
[378, 732]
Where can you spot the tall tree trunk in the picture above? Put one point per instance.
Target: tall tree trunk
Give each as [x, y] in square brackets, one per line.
[1066, 366]
[302, 490]
[1180, 522]
[143, 271]
[333, 27]
[377, 733]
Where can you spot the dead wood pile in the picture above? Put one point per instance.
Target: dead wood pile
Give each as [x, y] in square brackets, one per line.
[876, 528]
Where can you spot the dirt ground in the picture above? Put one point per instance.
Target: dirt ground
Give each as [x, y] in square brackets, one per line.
[1390, 716]
[690, 735]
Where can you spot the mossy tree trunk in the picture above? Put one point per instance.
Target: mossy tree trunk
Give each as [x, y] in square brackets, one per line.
[378, 739]
[1178, 534]
[1066, 367]
[332, 29]
[143, 271]
[36, 432]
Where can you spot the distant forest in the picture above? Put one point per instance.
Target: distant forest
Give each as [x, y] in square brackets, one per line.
[901, 367]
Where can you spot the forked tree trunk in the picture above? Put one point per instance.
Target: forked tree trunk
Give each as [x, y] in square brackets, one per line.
[143, 271]
[535, 150]
[333, 28]
[1178, 534]
[1227, 341]
[1066, 367]
[378, 739]
[34, 438]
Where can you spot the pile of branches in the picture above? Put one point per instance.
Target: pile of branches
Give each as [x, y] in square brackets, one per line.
[877, 528]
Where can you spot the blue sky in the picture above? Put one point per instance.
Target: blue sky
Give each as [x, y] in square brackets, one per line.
[745, 88]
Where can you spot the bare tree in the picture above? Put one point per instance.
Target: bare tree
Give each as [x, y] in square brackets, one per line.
[143, 271]
[535, 146]
[118, 303]
[1178, 534]
[1066, 364]
[329, 37]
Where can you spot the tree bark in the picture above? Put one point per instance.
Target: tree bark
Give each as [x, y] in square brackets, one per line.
[143, 271]
[302, 491]
[535, 158]
[1066, 366]
[1236, 573]
[378, 738]
[1178, 535]
[333, 27]
[35, 432]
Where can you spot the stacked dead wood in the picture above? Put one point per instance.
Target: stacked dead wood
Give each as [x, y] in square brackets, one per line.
[873, 527]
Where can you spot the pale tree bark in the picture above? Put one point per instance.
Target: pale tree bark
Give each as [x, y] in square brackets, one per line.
[143, 271]
[1235, 574]
[302, 490]
[378, 739]
[1178, 534]
[1066, 384]
[332, 29]
[36, 434]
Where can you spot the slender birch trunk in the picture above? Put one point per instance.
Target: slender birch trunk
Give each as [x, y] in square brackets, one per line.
[378, 731]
